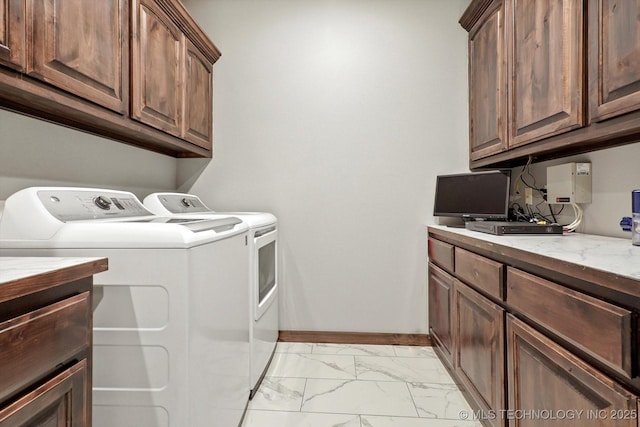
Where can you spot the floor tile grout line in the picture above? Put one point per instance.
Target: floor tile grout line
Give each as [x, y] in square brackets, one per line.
[357, 414]
[304, 391]
[395, 349]
[355, 368]
[373, 356]
[369, 380]
[413, 399]
[361, 355]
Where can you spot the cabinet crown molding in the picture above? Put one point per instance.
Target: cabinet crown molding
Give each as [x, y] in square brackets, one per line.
[181, 17]
[474, 12]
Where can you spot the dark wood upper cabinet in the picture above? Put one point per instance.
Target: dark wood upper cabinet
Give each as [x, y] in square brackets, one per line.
[487, 84]
[157, 58]
[198, 109]
[136, 71]
[172, 78]
[614, 58]
[572, 78]
[12, 33]
[82, 47]
[546, 87]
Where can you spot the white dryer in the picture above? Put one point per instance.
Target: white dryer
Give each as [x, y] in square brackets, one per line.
[263, 273]
[171, 335]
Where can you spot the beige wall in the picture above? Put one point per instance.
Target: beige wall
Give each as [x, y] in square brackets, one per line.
[337, 115]
[615, 172]
[37, 153]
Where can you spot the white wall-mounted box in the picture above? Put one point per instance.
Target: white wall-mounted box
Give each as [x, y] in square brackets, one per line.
[569, 183]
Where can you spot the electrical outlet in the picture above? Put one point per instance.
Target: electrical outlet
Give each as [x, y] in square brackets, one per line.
[528, 196]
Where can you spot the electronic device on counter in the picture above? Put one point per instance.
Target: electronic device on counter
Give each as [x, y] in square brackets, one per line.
[501, 228]
[473, 195]
[481, 199]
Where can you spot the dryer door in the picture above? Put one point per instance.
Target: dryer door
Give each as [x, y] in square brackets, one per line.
[266, 270]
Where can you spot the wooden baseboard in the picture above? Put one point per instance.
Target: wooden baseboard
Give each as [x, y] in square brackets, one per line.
[355, 338]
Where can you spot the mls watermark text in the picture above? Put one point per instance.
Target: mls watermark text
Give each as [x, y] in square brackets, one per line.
[551, 414]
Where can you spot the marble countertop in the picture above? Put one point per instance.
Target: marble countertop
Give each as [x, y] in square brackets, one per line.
[14, 269]
[608, 254]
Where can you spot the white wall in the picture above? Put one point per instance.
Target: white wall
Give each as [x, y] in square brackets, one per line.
[37, 153]
[337, 115]
[615, 173]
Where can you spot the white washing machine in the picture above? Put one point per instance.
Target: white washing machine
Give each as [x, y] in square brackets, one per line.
[171, 335]
[263, 282]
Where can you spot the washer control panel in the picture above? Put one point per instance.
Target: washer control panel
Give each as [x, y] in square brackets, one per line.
[77, 205]
[183, 203]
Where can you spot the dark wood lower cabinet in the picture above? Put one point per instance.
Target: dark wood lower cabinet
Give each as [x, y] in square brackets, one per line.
[602, 330]
[60, 402]
[479, 350]
[34, 344]
[440, 295]
[530, 347]
[46, 341]
[549, 386]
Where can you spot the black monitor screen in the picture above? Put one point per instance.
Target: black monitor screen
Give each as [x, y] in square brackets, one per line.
[473, 195]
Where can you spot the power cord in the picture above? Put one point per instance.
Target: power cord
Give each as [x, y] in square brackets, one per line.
[537, 215]
[576, 222]
[517, 213]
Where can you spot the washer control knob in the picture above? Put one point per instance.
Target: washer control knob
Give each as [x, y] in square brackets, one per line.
[185, 202]
[102, 203]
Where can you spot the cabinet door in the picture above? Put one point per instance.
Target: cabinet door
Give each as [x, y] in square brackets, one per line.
[546, 87]
[156, 63]
[82, 47]
[12, 33]
[479, 349]
[543, 376]
[198, 108]
[440, 284]
[614, 57]
[60, 402]
[487, 85]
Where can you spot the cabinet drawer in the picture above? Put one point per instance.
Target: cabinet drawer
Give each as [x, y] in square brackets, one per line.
[35, 343]
[600, 329]
[481, 272]
[442, 254]
[543, 376]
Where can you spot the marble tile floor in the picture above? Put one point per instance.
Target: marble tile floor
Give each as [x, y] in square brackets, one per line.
[335, 385]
